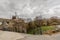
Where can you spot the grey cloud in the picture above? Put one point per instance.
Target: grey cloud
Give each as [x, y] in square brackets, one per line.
[23, 7]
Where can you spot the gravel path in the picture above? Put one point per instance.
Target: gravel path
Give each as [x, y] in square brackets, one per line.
[42, 37]
[4, 35]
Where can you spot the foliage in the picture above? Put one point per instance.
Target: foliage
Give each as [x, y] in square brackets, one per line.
[32, 27]
[44, 29]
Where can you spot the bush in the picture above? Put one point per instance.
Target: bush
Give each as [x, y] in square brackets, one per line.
[37, 29]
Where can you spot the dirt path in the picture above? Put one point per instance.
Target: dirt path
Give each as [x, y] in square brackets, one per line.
[4, 35]
[42, 37]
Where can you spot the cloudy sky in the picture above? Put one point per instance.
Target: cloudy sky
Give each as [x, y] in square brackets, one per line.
[29, 8]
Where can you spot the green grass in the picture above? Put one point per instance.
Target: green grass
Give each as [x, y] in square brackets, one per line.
[44, 29]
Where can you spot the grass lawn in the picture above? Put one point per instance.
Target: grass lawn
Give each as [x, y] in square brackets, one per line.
[44, 29]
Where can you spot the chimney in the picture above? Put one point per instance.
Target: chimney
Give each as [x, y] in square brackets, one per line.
[13, 17]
